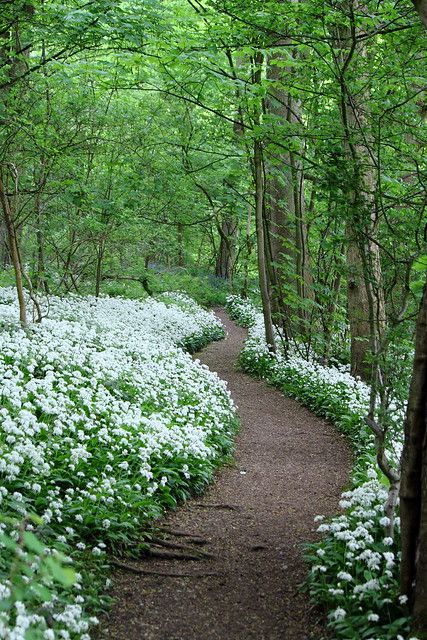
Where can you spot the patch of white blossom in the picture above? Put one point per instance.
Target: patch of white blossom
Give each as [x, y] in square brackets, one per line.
[242, 310]
[356, 565]
[97, 401]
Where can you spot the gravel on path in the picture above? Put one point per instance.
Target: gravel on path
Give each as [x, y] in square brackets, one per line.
[289, 466]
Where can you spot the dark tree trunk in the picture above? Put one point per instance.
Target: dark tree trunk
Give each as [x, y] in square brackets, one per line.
[413, 489]
[421, 7]
[99, 259]
[5, 260]
[14, 252]
[262, 267]
[225, 257]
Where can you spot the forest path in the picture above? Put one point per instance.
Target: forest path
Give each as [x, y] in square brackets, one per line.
[289, 466]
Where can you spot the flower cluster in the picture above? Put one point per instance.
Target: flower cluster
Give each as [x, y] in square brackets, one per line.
[354, 569]
[104, 422]
[241, 310]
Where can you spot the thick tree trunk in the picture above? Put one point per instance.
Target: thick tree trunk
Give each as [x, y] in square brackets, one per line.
[225, 257]
[366, 308]
[357, 308]
[421, 7]
[262, 267]
[413, 489]
[413, 486]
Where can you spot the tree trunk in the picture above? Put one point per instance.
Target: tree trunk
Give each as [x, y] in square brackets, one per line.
[366, 308]
[413, 488]
[99, 258]
[291, 270]
[5, 260]
[421, 7]
[248, 247]
[262, 267]
[225, 257]
[41, 270]
[14, 252]
[180, 240]
[357, 308]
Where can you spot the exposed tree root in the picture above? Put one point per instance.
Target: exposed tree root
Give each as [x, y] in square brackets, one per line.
[172, 555]
[231, 507]
[177, 545]
[193, 538]
[166, 574]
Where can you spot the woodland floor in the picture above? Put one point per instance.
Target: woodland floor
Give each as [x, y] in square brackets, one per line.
[289, 466]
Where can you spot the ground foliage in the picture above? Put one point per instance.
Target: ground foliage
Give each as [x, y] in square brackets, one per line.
[106, 422]
[354, 570]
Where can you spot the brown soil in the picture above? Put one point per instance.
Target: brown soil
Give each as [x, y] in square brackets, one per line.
[289, 466]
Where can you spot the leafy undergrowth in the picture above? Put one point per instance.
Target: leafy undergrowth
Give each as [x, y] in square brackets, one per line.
[354, 568]
[206, 289]
[105, 422]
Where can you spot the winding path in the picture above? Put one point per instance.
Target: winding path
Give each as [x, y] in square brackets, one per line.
[290, 465]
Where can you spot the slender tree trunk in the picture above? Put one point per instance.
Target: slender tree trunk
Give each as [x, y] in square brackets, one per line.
[248, 247]
[41, 269]
[303, 266]
[180, 240]
[99, 259]
[287, 230]
[357, 308]
[14, 252]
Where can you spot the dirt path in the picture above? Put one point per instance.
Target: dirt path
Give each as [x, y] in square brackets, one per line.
[290, 466]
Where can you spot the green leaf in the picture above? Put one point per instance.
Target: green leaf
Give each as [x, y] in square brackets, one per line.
[420, 263]
[33, 543]
[64, 575]
[8, 542]
[42, 592]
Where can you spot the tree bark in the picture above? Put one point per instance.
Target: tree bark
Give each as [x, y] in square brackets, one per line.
[413, 489]
[225, 257]
[5, 260]
[14, 252]
[262, 267]
[421, 7]
[357, 308]
[287, 230]
[41, 268]
[180, 241]
[366, 308]
[99, 258]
